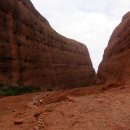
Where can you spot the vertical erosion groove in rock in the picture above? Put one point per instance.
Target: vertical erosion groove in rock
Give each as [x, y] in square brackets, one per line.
[32, 53]
[115, 66]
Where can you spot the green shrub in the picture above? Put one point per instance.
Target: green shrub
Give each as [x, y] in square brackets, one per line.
[17, 90]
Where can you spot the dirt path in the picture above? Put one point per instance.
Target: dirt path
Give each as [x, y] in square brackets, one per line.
[77, 109]
[104, 111]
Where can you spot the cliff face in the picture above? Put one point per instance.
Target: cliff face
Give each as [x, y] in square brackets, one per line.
[32, 53]
[115, 65]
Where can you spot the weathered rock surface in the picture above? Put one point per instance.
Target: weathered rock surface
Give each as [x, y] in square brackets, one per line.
[32, 53]
[115, 65]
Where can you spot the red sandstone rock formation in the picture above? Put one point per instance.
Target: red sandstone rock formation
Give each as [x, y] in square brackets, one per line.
[32, 53]
[115, 66]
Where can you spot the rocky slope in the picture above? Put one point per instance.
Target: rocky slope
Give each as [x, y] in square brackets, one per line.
[115, 66]
[32, 53]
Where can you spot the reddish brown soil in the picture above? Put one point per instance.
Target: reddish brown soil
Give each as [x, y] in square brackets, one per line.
[95, 108]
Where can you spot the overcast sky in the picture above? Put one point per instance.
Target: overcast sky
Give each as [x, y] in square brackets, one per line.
[88, 21]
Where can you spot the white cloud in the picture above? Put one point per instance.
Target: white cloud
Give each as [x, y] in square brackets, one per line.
[88, 21]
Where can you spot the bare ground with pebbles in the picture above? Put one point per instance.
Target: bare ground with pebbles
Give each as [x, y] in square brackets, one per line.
[93, 108]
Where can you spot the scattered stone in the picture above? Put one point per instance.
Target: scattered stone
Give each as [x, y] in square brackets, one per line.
[41, 102]
[31, 105]
[36, 128]
[37, 114]
[19, 115]
[18, 122]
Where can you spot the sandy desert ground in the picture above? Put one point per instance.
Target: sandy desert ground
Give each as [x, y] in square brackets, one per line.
[90, 108]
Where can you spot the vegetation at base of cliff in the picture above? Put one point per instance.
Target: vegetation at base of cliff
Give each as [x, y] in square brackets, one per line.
[17, 90]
